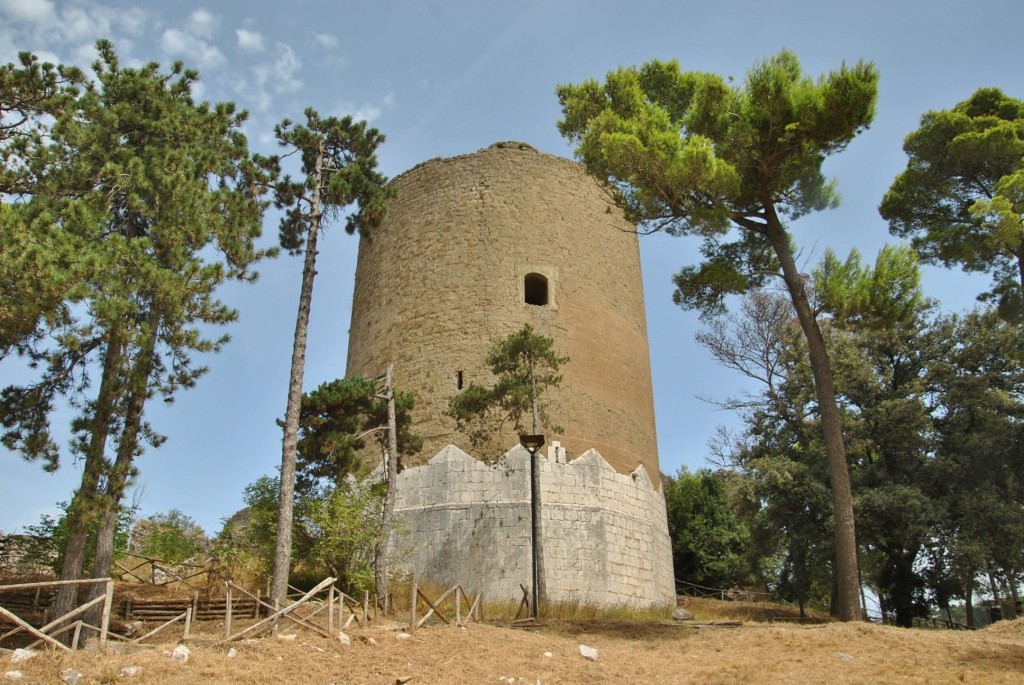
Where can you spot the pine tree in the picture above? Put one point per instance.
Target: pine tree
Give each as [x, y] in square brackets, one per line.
[338, 164]
[692, 154]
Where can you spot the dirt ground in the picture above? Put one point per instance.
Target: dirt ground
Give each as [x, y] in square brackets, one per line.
[627, 652]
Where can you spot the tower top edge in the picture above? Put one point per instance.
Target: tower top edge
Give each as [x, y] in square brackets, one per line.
[509, 147]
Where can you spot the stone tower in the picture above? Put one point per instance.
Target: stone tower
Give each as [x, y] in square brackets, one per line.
[474, 247]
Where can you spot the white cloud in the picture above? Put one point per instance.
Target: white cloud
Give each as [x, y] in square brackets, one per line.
[368, 112]
[86, 25]
[175, 41]
[250, 40]
[67, 31]
[281, 75]
[180, 43]
[325, 40]
[278, 75]
[133, 20]
[203, 23]
[36, 11]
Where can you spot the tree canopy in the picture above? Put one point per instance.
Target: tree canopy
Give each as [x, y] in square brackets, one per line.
[525, 366]
[961, 198]
[335, 423]
[708, 541]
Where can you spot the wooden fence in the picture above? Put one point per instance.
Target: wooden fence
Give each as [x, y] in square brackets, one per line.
[203, 609]
[48, 633]
[436, 607]
[155, 571]
[324, 609]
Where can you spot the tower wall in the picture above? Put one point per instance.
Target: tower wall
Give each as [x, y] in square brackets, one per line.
[445, 276]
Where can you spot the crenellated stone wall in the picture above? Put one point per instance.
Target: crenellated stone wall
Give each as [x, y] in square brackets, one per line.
[604, 534]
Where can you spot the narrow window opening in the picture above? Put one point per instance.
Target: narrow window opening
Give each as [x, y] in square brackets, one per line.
[535, 290]
[458, 381]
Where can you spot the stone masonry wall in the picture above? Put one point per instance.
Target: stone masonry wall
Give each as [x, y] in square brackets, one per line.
[444, 277]
[604, 534]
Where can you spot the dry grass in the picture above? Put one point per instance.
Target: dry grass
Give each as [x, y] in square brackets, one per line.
[649, 650]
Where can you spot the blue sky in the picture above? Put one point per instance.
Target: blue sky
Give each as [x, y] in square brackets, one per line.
[446, 78]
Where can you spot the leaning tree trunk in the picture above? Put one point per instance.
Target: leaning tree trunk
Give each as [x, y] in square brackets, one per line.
[848, 604]
[289, 443]
[81, 513]
[380, 552]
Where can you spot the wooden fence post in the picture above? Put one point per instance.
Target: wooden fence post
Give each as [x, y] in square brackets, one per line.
[228, 610]
[412, 608]
[108, 601]
[330, 609]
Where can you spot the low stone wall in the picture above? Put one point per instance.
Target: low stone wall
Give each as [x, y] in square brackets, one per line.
[604, 534]
[16, 558]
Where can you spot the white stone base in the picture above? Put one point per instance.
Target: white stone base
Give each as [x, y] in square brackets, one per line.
[604, 535]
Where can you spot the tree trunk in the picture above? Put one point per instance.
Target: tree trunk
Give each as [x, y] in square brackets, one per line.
[848, 604]
[81, 513]
[903, 589]
[969, 605]
[117, 479]
[997, 602]
[289, 443]
[380, 553]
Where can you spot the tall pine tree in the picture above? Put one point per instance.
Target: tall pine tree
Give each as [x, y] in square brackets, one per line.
[339, 171]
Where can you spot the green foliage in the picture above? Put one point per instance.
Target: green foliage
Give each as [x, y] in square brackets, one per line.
[690, 153]
[876, 298]
[525, 366]
[338, 158]
[341, 526]
[335, 421]
[245, 545]
[709, 543]
[932, 409]
[979, 469]
[172, 537]
[335, 528]
[961, 197]
[50, 536]
[146, 200]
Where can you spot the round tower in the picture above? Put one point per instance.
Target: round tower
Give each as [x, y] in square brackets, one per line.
[474, 247]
